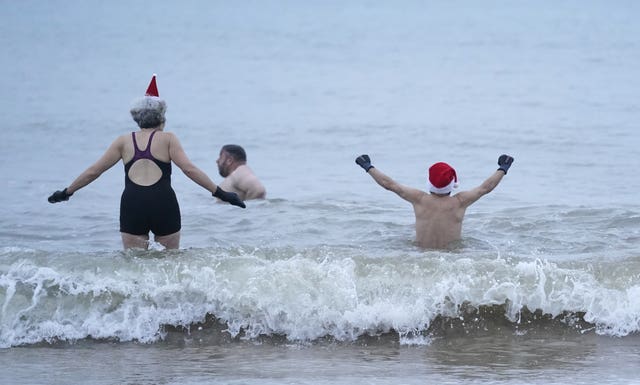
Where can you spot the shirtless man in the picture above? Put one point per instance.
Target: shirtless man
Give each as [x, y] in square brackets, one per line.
[438, 214]
[239, 178]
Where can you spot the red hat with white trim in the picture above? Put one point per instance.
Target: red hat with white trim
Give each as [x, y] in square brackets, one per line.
[150, 101]
[152, 90]
[443, 178]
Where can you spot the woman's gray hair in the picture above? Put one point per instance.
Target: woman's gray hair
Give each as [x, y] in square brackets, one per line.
[148, 111]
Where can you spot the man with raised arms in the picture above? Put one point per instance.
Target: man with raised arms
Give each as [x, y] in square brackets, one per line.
[438, 214]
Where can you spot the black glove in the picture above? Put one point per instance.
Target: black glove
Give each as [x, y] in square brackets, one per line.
[59, 196]
[365, 162]
[230, 197]
[504, 161]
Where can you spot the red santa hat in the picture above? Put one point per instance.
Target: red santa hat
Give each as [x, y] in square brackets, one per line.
[152, 90]
[151, 100]
[443, 178]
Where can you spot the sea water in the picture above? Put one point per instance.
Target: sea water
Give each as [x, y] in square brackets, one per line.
[321, 282]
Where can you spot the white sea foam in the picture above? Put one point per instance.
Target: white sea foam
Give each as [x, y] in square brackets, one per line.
[291, 294]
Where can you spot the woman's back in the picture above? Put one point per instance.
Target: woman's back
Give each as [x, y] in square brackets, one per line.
[144, 171]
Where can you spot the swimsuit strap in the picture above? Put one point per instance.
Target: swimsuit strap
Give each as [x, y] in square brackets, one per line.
[142, 154]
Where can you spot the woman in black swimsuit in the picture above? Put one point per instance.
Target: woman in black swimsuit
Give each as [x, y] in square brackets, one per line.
[148, 202]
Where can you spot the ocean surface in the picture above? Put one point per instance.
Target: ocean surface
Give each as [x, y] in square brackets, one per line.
[321, 283]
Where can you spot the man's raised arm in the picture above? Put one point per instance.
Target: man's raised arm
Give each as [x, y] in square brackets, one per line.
[467, 198]
[406, 193]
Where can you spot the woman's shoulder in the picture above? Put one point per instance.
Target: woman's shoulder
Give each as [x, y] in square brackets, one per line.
[121, 139]
[167, 137]
[166, 134]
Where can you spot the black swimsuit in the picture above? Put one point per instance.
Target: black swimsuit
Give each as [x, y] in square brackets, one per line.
[149, 208]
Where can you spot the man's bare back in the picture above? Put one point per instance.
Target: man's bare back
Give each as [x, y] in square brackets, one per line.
[438, 214]
[438, 220]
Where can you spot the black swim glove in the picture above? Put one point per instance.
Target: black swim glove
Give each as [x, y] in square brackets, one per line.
[229, 197]
[365, 162]
[59, 196]
[504, 161]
